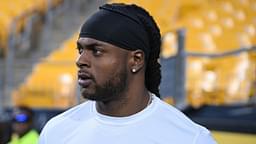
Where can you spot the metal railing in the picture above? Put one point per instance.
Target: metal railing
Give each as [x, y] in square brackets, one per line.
[174, 69]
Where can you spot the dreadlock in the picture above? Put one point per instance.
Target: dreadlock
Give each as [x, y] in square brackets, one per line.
[153, 72]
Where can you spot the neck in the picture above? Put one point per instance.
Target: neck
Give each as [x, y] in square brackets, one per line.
[131, 103]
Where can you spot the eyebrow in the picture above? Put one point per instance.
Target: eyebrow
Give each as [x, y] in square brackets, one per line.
[89, 44]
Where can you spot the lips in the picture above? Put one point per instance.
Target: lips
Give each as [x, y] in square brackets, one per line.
[84, 79]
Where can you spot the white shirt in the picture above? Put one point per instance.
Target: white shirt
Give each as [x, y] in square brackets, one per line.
[158, 123]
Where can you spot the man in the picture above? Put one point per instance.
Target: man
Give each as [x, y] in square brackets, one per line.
[119, 74]
[22, 121]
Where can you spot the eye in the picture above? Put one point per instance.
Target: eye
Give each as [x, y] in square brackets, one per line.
[97, 51]
[80, 50]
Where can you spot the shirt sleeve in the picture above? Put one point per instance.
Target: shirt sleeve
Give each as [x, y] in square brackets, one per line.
[204, 137]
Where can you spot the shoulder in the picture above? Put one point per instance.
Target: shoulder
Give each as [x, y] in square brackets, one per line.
[183, 126]
[33, 133]
[31, 137]
[176, 116]
[64, 123]
[204, 137]
[73, 115]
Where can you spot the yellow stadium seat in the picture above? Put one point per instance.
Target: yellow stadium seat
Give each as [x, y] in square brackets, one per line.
[52, 80]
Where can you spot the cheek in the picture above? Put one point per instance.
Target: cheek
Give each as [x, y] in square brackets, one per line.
[106, 69]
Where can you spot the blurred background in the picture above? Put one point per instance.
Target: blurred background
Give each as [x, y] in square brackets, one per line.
[208, 59]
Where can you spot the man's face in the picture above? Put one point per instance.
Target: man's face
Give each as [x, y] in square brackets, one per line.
[102, 73]
[21, 128]
[21, 124]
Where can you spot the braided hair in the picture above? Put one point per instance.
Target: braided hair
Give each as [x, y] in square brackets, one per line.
[153, 72]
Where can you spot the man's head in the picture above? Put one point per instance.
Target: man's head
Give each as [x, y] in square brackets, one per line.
[118, 44]
[22, 119]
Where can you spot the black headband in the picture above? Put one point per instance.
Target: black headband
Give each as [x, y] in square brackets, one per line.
[119, 26]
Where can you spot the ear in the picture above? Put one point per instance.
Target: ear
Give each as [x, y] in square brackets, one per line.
[137, 61]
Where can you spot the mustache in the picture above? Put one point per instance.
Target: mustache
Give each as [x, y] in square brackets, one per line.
[85, 75]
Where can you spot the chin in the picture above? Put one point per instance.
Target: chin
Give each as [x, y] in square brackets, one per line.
[95, 97]
[90, 96]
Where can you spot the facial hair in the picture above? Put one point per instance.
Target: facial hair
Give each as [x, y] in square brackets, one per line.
[111, 90]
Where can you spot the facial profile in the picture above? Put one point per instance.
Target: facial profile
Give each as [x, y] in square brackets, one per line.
[102, 73]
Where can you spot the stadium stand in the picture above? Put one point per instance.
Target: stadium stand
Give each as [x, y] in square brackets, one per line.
[15, 17]
[52, 82]
[212, 27]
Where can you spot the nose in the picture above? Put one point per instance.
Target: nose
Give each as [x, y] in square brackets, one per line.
[83, 60]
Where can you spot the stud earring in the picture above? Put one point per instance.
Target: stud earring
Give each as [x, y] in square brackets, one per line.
[133, 70]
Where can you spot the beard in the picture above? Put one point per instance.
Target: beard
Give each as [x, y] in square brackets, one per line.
[111, 90]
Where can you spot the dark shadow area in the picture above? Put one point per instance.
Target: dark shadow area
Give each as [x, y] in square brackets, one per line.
[225, 118]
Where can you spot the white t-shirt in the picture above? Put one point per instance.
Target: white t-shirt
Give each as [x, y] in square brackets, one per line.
[158, 123]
